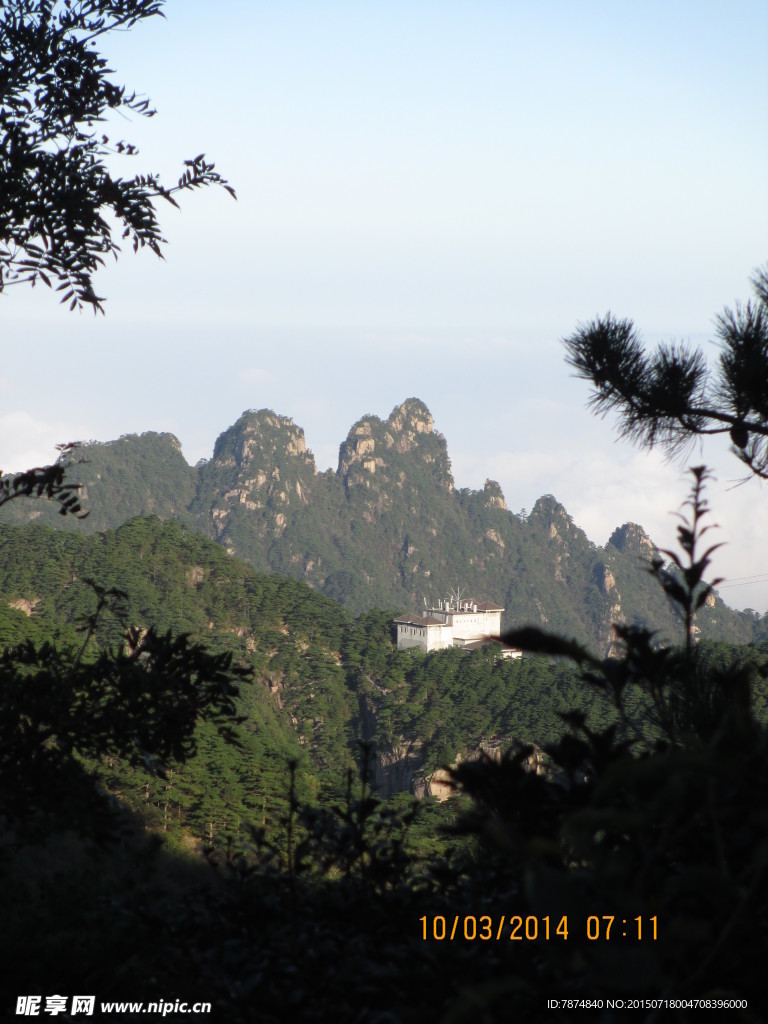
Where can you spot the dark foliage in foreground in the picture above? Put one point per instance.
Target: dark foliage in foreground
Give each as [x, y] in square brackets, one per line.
[142, 703]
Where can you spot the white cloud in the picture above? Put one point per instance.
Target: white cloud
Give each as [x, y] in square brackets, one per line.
[27, 440]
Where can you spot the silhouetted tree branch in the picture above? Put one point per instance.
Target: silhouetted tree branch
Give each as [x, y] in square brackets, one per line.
[669, 397]
[56, 191]
[46, 482]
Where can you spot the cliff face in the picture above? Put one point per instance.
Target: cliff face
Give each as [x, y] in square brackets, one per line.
[260, 472]
[632, 539]
[386, 529]
[383, 457]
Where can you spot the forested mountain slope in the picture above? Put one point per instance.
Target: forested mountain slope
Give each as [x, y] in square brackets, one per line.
[320, 680]
[387, 529]
[174, 579]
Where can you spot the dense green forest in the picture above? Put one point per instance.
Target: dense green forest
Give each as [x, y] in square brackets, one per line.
[319, 681]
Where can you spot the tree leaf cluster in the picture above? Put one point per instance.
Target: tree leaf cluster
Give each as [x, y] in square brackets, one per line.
[60, 196]
[49, 482]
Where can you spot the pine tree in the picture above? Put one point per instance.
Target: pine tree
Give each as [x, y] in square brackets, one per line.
[670, 396]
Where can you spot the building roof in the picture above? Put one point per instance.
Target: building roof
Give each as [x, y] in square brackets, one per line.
[468, 607]
[416, 620]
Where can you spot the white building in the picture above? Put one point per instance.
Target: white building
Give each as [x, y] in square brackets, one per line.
[455, 622]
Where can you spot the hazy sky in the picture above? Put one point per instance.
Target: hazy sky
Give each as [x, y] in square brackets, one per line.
[431, 196]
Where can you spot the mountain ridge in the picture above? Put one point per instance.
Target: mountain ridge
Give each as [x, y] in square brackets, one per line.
[387, 528]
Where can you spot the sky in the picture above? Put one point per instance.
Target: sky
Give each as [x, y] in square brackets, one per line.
[431, 196]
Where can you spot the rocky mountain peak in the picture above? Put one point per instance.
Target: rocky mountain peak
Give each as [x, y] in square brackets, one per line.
[363, 448]
[408, 420]
[371, 454]
[548, 508]
[493, 496]
[261, 437]
[633, 540]
[261, 465]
